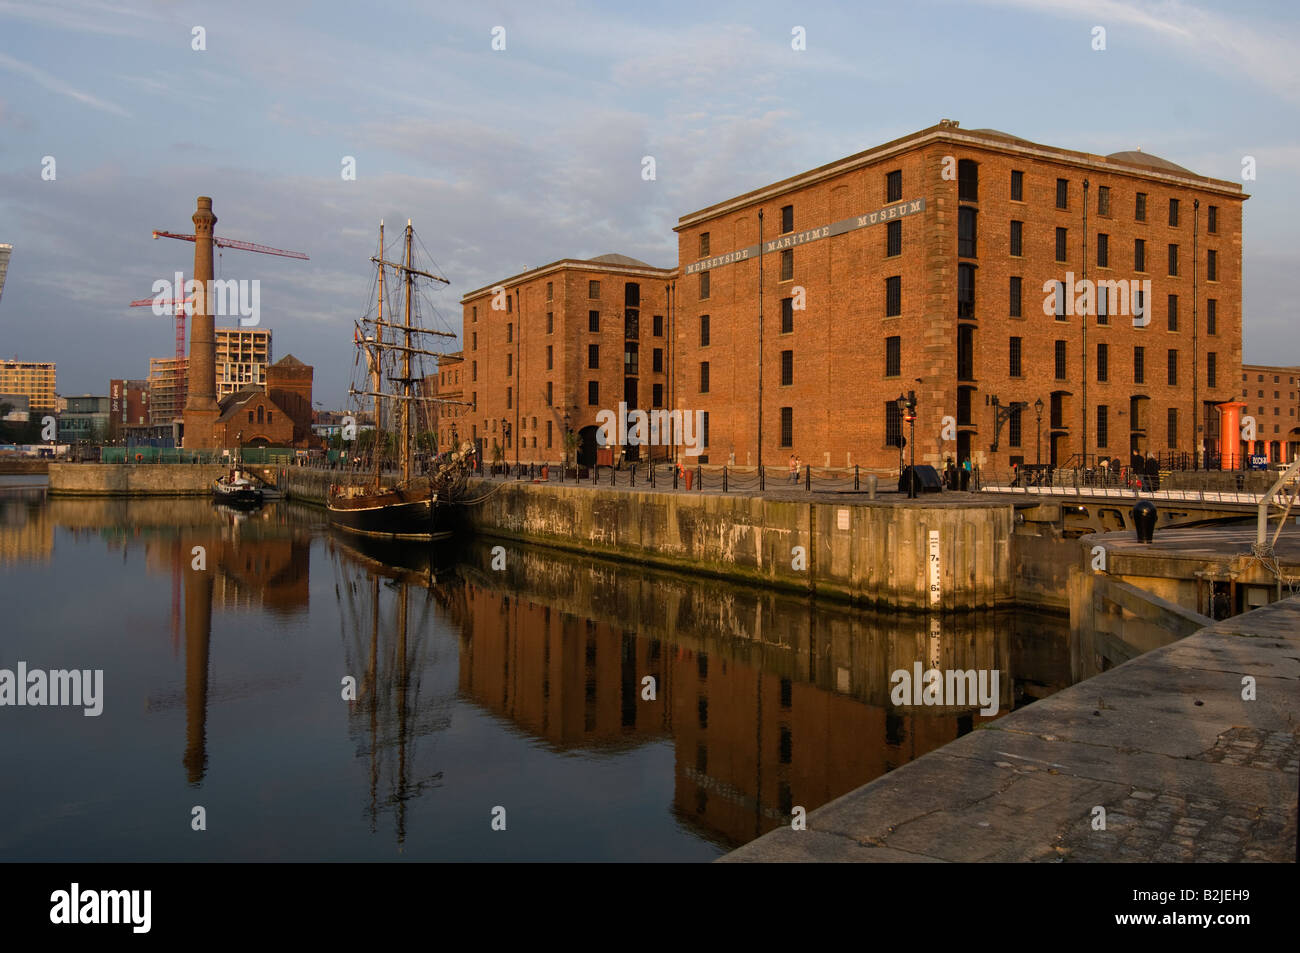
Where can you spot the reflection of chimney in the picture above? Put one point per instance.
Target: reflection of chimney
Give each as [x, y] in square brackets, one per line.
[198, 633]
[201, 404]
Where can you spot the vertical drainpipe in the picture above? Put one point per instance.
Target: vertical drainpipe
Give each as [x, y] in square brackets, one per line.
[760, 339]
[1197, 440]
[519, 374]
[1083, 319]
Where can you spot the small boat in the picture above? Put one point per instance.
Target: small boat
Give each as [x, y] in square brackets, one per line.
[236, 489]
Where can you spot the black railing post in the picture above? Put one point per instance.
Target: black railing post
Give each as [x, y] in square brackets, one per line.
[674, 477]
[855, 477]
[724, 478]
[632, 476]
[699, 477]
[807, 478]
[762, 478]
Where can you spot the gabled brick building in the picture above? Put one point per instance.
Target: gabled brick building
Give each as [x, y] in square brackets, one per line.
[930, 264]
[552, 347]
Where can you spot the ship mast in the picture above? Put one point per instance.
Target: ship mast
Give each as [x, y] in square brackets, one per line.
[406, 366]
[377, 448]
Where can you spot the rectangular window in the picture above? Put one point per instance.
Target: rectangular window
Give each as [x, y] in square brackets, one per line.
[474, 340]
[593, 356]
[549, 433]
[1014, 359]
[1103, 250]
[631, 324]
[787, 426]
[510, 397]
[893, 356]
[473, 370]
[1140, 306]
[474, 314]
[1173, 367]
[893, 239]
[550, 322]
[704, 330]
[704, 377]
[510, 304]
[1173, 312]
[1059, 299]
[1212, 266]
[894, 186]
[1173, 212]
[1211, 370]
[1103, 363]
[1211, 316]
[704, 285]
[593, 320]
[1173, 260]
[1103, 200]
[658, 399]
[1140, 207]
[550, 357]
[893, 296]
[593, 393]
[893, 424]
[705, 437]
[1139, 365]
[968, 180]
[787, 368]
[787, 315]
[1014, 427]
[510, 331]
[787, 218]
[965, 352]
[1062, 193]
[657, 360]
[631, 359]
[1171, 427]
[550, 393]
[966, 232]
[787, 264]
[1139, 255]
[1212, 219]
[1103, 304]
[1014, 297]
[550, 291]
[593, 289]
[510, 364]
[965, 291]
[704, 244]
[1060, 360]
[1103, 434]
[1017, 185]
[1017, 238]
[658, 325]
[1062, 243]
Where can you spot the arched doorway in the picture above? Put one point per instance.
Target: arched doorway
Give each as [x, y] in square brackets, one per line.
[587, 446]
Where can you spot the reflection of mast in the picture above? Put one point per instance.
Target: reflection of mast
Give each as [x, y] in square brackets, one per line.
[373, 696]
[177, 559]
[403, 677]
[198, 633]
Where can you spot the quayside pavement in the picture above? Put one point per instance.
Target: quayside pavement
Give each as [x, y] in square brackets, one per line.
[1183, 767]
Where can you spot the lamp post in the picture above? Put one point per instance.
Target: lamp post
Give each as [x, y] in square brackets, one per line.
[565, 438]
[1038, 450]
[907, 408]
[505, 436]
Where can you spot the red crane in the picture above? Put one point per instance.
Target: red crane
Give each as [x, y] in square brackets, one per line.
[179, 303]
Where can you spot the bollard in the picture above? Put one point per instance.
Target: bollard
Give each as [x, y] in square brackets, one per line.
[1144, 520]
[674, 478]
[807, 477]
[724, 478]
[872, 480]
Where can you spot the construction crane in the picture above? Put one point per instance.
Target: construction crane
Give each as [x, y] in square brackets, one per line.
[178, 304]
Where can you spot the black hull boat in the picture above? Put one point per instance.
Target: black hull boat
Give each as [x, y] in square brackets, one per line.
[236, 490]
[399, 513]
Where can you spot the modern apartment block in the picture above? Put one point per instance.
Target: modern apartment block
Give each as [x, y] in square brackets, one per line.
[243, 354]
[932, 264]
[1272, 398]
[35, 379]
[550, 348]
[168, 387]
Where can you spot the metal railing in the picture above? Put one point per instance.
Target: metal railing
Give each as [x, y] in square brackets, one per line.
[1123, 482]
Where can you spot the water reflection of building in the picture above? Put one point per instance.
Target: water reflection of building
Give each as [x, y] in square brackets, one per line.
[770, 702]
[26, 530]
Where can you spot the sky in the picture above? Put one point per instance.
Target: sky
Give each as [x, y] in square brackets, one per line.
[511, 158]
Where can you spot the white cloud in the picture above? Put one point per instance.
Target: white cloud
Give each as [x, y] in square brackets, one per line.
[56, 85]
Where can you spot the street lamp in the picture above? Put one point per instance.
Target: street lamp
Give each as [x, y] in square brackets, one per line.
[1038, 452]
[907, 409]
[505, 434]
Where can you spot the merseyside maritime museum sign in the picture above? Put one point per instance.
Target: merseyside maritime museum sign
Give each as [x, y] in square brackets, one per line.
[888, 213]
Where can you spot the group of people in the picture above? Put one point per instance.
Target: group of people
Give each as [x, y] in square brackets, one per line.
[955, 477]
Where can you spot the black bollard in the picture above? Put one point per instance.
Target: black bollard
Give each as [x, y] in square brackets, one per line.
[1144, 520]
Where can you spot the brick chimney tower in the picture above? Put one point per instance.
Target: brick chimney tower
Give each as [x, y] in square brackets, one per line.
[201, 404]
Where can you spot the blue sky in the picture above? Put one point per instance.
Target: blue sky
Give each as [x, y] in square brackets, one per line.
[511, 159]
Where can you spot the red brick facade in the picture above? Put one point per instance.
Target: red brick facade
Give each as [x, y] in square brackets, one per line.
[829, 376]
[528, 361]
[1272, 397]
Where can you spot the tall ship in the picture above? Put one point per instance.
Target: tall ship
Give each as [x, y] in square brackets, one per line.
[394, 490]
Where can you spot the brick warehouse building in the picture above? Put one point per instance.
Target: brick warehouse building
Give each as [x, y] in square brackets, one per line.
[922, 265]
[1272, 397]
[565, 341]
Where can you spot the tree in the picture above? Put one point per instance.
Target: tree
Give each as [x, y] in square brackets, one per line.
[571, 442]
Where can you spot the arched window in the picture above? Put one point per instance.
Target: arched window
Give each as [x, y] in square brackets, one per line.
[259, 413]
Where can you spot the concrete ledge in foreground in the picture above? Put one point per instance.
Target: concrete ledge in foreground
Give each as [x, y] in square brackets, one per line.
[1185, 769]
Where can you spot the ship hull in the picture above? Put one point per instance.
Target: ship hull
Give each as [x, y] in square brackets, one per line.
[395, 514]
[246, 497]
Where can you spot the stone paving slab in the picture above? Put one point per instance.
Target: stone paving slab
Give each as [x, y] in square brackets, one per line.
[1184, 768]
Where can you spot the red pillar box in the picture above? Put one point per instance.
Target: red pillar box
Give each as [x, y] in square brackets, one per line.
[1230, 434]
